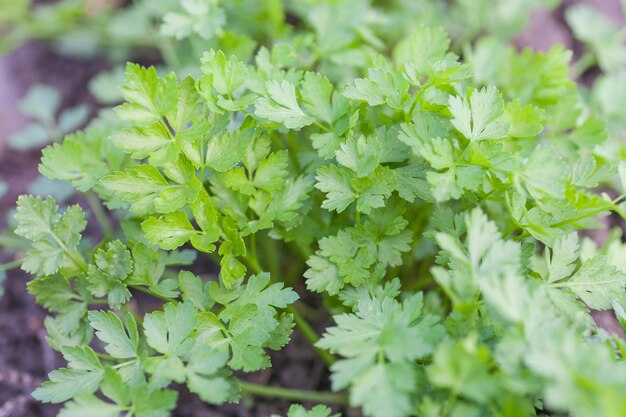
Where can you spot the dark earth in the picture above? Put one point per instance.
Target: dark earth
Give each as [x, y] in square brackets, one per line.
[25, 357]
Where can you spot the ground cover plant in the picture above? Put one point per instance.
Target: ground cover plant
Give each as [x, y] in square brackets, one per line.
[431, 201]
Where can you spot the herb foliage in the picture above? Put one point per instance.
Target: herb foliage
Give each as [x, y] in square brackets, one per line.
[431, 201]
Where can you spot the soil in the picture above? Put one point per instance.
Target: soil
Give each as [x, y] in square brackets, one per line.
[25, 357]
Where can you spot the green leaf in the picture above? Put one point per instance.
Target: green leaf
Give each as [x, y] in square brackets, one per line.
[169, 231]
[52, 292]
[463, 367]
[526, 121]
[318, 411]
[202, 18]
[33, 136]
[420, 132]
[316, 96]
[380, 342]
[335, 182]
[545, 173]
[35, 217]
[139, 186]
[43, 258]
[562, 257]
[207, 217]
[385, 390]
[384, 327]
[425, 46]
[204, 379]
[195, 291]
[323, 275]
[282, 106]
[151, 142]
[108, 273]
[271, 173]
[119, 342]
[75, 161]
[72, 118]
[139, 90]
[252, 318]
[380, 87]
[41, 103]
[373, 190]
[228, 149]
[54, 237]
[154, 402]
[148, 268]
[224, 75]
[266, 298]
[83, 375]
[596, 283]
[361, 155]
[168, 331]
[86, 405]
[479, 117]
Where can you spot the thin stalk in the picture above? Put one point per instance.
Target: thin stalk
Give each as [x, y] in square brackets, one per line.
[270, 253]
[310, 334]
[294, 394]
[127, 310]
[293, 153]
[105, 356]
[168, 52]
[619, 343]
[253, 264]
[253, 251]
[10, 265]
[75, 256]
[100, 214]
[147, 291]
[303, 326]
[418, 97]
[321, 126]
[586, 61]
[581, 217]
[123, 364]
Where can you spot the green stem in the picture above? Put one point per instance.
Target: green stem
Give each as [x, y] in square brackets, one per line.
[10, 265]
[127, 310]
[321, 126]
[123, 364]
[449, 402]
[270, 253]
[75, 256]
[586, 61]
[253, 264]
[197, 46]
[310, 334]
[105, 356]
[418, 97]
[581, 217]
[168, 52]
[303, 326]
[147, 291]
[253, 251]
[294, 394]
[100, 214]
[293, 153]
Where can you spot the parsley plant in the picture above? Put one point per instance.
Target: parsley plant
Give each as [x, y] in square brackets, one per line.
[431, 201]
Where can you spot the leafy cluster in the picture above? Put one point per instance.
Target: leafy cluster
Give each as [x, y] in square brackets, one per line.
[431, 201]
